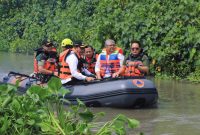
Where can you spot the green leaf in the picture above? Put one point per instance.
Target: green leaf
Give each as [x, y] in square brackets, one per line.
[54, 84]
[34, 90]
[6, 102]
[119, 124]
[5, 124]
[80, 103]
[20, 121]
[41, 92]
[192, 53]
[46, 127]
[65, 101]
[16, 105]
[11, 88]
[17, 83]
[119, 130]
[3, 87]
[87, 116]
[132, 123]
[31, 122]
[197, 62]
[81, 127]
[100, 114]
[69, 127]
[63, 91]
[121, 117]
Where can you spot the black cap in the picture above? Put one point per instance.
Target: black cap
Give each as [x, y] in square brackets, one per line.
[78, 43]
[47, 43]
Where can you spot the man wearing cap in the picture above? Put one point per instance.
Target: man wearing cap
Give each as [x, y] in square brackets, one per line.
[109, 61]
[70, 65]
[80, 48]
[45, 61]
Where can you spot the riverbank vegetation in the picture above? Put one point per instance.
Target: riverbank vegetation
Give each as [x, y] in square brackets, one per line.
[168, 30]
[41, 111]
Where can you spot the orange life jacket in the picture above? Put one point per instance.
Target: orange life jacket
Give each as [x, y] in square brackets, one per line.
[90, 65]
[50, 63]
[110, 65]
[131, 70]
[64, 71]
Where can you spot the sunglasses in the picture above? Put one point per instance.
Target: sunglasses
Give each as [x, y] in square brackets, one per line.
[135, 49]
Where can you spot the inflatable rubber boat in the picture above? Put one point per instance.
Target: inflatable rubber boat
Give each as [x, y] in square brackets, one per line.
[119, 92]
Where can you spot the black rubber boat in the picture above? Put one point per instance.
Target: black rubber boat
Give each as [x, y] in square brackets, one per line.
[120, 92]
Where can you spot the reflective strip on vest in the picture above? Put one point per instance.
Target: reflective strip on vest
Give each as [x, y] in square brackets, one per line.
[117, 50]
[110, 65]
[64, 72]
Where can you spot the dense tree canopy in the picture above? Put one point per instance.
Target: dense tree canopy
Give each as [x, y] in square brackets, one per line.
[168, 30]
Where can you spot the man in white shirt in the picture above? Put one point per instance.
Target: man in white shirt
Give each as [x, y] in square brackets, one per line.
[71, 67]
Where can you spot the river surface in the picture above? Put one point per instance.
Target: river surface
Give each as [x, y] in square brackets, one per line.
[178, 111]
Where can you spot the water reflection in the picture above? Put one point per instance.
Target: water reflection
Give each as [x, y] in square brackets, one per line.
[15, 62]
[178, 111]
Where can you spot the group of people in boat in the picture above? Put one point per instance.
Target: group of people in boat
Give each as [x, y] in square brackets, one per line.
[79, 62]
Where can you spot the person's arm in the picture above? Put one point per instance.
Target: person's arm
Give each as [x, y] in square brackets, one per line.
[121, 58]
[44, 71]
[97, 67]
[73, 63]
[121, 70]
[41, 59]
[145, 67]
[86, 71]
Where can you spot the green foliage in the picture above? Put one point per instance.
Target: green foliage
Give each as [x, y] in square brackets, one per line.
[117, 125]
[195, 76]
[168, 30]
[41, 111]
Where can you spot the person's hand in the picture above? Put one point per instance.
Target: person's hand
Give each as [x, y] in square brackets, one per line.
[139, 63]
[89, 79]
[55, 73]
[135, 64]
[98, 76]
[115, 75]
[132, 63]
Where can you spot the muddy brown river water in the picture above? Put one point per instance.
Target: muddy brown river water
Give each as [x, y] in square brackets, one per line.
[178, 111]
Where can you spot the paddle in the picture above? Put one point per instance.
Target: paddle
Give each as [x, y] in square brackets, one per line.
[23, 75]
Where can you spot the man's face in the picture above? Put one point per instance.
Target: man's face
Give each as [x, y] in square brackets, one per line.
[110, 47]
[78, 49]
[89, 52]
[47, 48]
[135, 49]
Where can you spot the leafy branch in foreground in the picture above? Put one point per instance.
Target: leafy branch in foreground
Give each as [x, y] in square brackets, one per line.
[42, 110]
